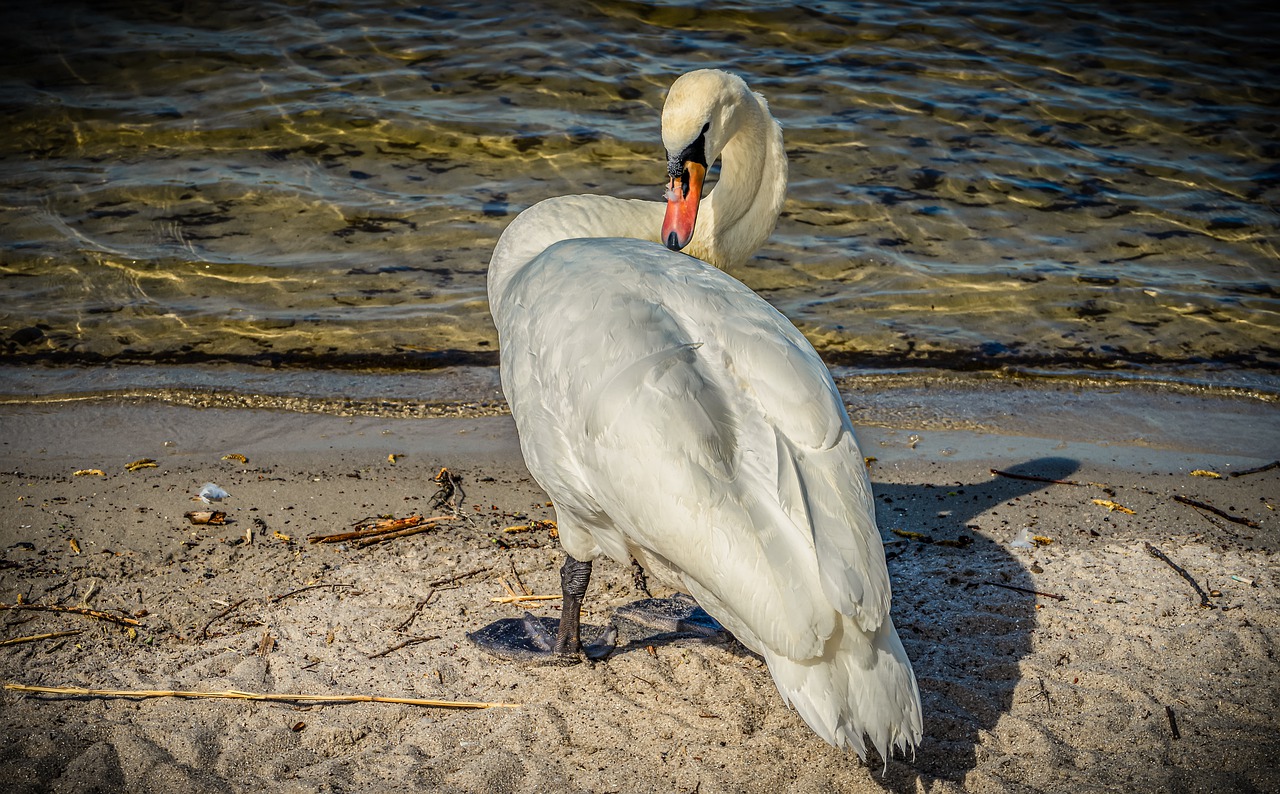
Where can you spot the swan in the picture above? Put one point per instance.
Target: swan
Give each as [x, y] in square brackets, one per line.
[675, 418]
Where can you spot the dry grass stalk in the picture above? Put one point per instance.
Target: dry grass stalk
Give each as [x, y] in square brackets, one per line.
[516, 575]
[38, 637]
[89, 613]
[502, 580]
[235, 695]
[516, 599]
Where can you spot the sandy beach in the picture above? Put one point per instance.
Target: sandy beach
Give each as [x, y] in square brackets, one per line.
[1078, 662]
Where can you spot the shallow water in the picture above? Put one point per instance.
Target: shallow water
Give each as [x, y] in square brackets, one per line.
[1049, 187]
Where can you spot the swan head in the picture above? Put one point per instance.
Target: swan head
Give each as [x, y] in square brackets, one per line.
[698, 119]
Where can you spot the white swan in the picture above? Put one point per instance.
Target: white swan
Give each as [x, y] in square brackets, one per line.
[675, 417]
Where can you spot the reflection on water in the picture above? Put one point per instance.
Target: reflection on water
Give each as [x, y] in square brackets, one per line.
[1055, 185]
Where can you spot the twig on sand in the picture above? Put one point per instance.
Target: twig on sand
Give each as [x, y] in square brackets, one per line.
[452, 579]
[1044, 693]
[1275, 464]
[1216, 511]
[502, 580]
[89, 613]
[1160, 555]
[1173, 722]
[417, 610]
[516, 575]
[405, 644]
[1054, 596]
[204, 632]
[404, 533]
[280, 598]
[159, 693]
[368, 528]
[1034, 478]
[38, 637]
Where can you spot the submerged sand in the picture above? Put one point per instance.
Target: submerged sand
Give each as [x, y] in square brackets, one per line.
[1113, 678]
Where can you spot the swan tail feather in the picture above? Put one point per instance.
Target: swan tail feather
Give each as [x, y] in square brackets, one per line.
[863, 686]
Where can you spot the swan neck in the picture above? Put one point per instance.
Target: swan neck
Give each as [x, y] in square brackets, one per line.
[742, 209]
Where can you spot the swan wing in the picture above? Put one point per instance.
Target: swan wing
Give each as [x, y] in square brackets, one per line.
[674, 416]
[821, 479]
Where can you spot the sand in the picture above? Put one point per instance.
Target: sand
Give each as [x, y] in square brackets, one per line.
[1115, 678]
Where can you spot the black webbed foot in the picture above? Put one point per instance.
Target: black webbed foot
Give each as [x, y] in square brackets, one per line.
[679, 614]
[532, 640]
[547, 640]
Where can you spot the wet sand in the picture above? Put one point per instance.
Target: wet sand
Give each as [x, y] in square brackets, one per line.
[1115, 677]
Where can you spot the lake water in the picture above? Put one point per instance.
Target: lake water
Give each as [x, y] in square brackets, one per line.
[1080, 189]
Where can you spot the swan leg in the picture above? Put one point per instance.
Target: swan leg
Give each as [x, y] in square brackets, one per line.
[575, 575]
[639, 578]
[530, 638]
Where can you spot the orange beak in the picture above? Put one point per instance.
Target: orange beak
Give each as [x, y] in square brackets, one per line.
[683, 194]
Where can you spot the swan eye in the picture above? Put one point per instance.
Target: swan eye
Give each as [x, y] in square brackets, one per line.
[695, 152]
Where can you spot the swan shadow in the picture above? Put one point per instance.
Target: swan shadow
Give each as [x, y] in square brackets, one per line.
[964, 635]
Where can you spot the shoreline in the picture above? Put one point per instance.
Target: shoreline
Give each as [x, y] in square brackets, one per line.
[1227, 419]
[1021, 692]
